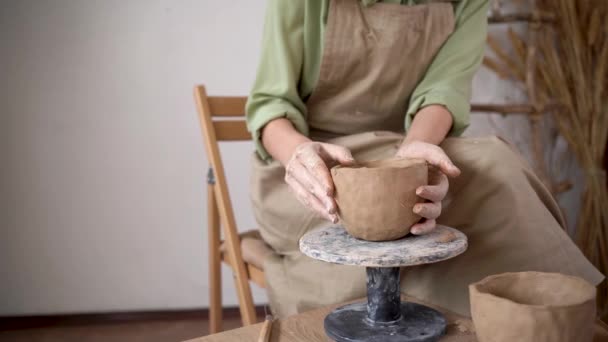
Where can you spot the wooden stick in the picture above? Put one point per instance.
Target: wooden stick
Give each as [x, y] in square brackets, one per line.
[561, 187]
[522, 108]
[503, 108]
[266, 329]
[215, 271]
[538, 152]
[515, 17]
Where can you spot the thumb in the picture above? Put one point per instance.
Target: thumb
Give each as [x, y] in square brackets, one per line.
[339, 154]
[435, 156]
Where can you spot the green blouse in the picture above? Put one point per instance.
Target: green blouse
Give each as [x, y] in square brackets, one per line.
[292, 46]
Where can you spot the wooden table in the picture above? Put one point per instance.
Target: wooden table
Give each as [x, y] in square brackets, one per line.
[308, 327]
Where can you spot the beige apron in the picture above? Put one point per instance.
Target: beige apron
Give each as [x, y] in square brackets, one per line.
[372, 60]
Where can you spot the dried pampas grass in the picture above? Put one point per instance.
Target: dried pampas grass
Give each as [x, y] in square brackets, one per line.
[563, 64]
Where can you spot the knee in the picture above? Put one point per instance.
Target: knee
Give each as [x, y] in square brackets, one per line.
[501, 152]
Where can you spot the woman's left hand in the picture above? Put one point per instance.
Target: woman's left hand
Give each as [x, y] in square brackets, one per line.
[440, 165]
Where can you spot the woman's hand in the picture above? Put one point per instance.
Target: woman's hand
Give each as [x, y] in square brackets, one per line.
[436, 190]
[306, 165]
[307, 174]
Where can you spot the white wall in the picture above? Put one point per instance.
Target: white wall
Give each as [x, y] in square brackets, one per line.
[102, 168]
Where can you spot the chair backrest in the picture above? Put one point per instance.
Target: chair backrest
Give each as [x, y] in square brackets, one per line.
[213, 113]
[223, 119]
[227, 116]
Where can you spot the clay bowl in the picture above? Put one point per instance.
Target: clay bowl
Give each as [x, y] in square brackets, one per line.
[533, 307]
[375, 199]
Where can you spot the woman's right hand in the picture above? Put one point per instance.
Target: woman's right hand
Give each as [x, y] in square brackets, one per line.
[307, 174]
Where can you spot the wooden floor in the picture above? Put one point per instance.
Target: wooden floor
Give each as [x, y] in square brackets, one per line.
[155, 329]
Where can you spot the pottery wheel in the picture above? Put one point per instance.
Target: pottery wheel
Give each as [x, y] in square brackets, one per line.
[384, 317]
[335, 245]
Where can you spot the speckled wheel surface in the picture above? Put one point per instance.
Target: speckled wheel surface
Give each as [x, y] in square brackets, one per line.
[333, 244]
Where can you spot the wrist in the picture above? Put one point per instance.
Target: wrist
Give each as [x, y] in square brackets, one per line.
[280, 138]
[406, 145]
[291, 144]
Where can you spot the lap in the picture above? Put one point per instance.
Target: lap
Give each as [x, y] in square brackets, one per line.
[511, 220]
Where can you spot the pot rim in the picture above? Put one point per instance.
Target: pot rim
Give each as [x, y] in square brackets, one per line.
[378, 164]
[476, 289]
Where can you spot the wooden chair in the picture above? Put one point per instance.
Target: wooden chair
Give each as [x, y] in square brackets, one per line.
[222, 119]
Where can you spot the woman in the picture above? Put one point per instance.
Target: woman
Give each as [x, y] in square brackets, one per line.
[341, 80]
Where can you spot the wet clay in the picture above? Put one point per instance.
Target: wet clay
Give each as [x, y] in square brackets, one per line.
[539, 307]
[446, 237]
[375, 199]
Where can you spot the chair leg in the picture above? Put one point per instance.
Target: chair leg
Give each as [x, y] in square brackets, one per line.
[246, 306]
[215, 263]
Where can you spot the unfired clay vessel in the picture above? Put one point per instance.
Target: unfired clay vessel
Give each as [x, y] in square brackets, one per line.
[533, 307]
[375, 199]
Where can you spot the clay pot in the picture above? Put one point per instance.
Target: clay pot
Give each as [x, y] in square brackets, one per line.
[375, 199]
[533, 307]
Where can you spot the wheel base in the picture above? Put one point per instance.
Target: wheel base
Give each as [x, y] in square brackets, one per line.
[418, 323]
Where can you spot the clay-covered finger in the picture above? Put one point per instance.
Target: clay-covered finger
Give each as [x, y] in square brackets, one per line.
[436, 177]
[338, 154]
[318, 169]
[423, 227]
[430, 193]
[433, 154]
[312, 184]
[437, 157]
[299, 191]
[308, 200]
[429, 210]
[437, 190]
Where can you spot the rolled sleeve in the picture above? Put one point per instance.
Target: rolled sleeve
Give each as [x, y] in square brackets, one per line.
[268, 112]
[275, 90]
[448, 80]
